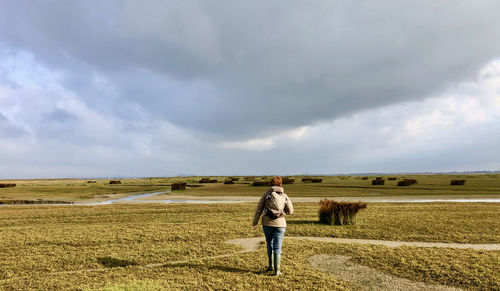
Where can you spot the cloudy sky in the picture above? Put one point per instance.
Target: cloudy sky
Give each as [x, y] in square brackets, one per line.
[162, 88]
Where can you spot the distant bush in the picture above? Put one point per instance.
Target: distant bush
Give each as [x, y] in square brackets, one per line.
[392, 178]
[249, 178]
[306, 180]
[339, 213]
[287, 180]
[115, 182]
[213, 181]
[364, 178]
[407, 182]
[228, 181]
[7, 185]
[114, 262]
[91, 181]
[179, 186]
[260, 183]
[316, 180]
[204, 180]
[457, 182]
[378, 181]
[234, 179]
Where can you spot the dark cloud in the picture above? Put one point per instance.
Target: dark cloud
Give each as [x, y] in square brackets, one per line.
[244, 69]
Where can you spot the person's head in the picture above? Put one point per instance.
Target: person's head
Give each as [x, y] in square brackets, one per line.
[277, 181]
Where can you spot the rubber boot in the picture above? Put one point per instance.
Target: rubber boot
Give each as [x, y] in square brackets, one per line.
[277, 262]
[270, 258]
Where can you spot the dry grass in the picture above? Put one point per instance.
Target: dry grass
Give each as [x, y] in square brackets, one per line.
[339, 213]
[38, 242]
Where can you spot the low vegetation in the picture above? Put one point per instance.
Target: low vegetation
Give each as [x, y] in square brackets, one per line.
[338, 212]
[106, 247]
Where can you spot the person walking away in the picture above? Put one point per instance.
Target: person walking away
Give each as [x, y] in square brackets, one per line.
[273, 205]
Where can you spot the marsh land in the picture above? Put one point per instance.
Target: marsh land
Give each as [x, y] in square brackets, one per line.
[144, 246]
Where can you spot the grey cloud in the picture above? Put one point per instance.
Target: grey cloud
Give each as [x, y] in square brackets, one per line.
[59, 116]
[8, 129]
[237, 69]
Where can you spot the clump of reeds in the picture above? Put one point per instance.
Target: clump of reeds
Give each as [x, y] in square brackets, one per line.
[204, 180]
[457, 182]
[179, 186]
[213, 181]
[306, 180]
[8, 185]
[228, 181]
[91, 182]
[364, 178]
[115, 182]
[316, 180]
[234, 179]
[339, 213]
[392, 178]
[407, 182]
[288, 180]
[378, 181]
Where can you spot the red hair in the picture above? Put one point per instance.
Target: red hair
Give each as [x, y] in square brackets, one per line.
[277, 181]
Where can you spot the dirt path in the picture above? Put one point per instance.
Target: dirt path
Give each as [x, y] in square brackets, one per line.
[366, 277]
[252, 244]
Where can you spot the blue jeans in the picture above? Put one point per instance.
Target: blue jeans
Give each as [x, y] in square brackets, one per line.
[274, 239]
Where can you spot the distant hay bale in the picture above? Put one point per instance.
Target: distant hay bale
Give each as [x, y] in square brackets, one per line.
[204, 180]
[179, 186]
[228, 181]
[392, 178]
[115, 182]
[407, 182]
[306, 180]
[457, 182]
[316, 180]
[287, 180]
[91, 181]
[364, 178]
[339, 213]
[378, 181]
[7, 185]
[213, 181]
[260, 183]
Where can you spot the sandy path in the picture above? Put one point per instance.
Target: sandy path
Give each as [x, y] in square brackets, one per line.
[252, 244]
[367, 278]
[413, 198]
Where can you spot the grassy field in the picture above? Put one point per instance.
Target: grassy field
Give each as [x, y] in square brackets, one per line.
[354, 186]
[332, 186]
[78, 190]
[106, 246]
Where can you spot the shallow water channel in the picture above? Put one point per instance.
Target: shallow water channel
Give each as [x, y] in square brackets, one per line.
[304, 199]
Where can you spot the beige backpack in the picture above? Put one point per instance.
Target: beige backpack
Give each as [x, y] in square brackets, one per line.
[275, 205]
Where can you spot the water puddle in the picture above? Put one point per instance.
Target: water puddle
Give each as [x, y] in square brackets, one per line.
[124, 199]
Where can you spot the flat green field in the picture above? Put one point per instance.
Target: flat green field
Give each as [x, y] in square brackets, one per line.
[106, 247]
[78, 190]
[484, 185]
